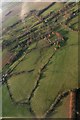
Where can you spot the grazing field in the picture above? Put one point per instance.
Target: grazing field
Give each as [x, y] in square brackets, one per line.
[28, 78]
[0, 100]
[29, 61]
[53, 8]
[18, 12]
[62, 73]
[11, 109]
[62, 110]
[40, 58]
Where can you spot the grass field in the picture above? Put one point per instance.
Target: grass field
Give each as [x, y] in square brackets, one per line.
[74, 23]
[16, 13]
[54, 8]
[60, 73]
[0, 98]
[51, 70]
[23, 84]
[29, 61]
[62, 110]
[11, 109]
[27, 80]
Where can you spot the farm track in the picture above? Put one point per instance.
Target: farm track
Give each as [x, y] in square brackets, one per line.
[72, 104]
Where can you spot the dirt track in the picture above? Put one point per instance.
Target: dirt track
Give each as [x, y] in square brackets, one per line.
[72, 105]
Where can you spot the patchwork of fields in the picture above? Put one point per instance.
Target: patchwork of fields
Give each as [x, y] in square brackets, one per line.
[40, 60]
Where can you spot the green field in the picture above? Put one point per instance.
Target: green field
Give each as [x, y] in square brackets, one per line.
[29, 61]
[46, 63]
[11, 109]
[62, 110]
[0, 100]
[62, 73]
[54, 8]
[28, 79]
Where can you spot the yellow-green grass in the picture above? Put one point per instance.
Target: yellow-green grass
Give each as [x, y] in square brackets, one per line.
[27, 22]
[75, 26]
[73, 38]
[39, 25]
[0, 99]
[28, 64]
[10, 21]
[17, 62]
[32, 46]
[53, 8]
[38, 45]
[75, 7]
[74, 23]
[26, 59]
[0, 65]
[10, 109]
[37, 5]
[75, 19]
[46, 55]
[4, 53]
[60, 75]
[21, 27]
[29, 61]
[6, 37]
[5, 56]
[21, 85]
[62, 109]
[42, 43]
[30, 21]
